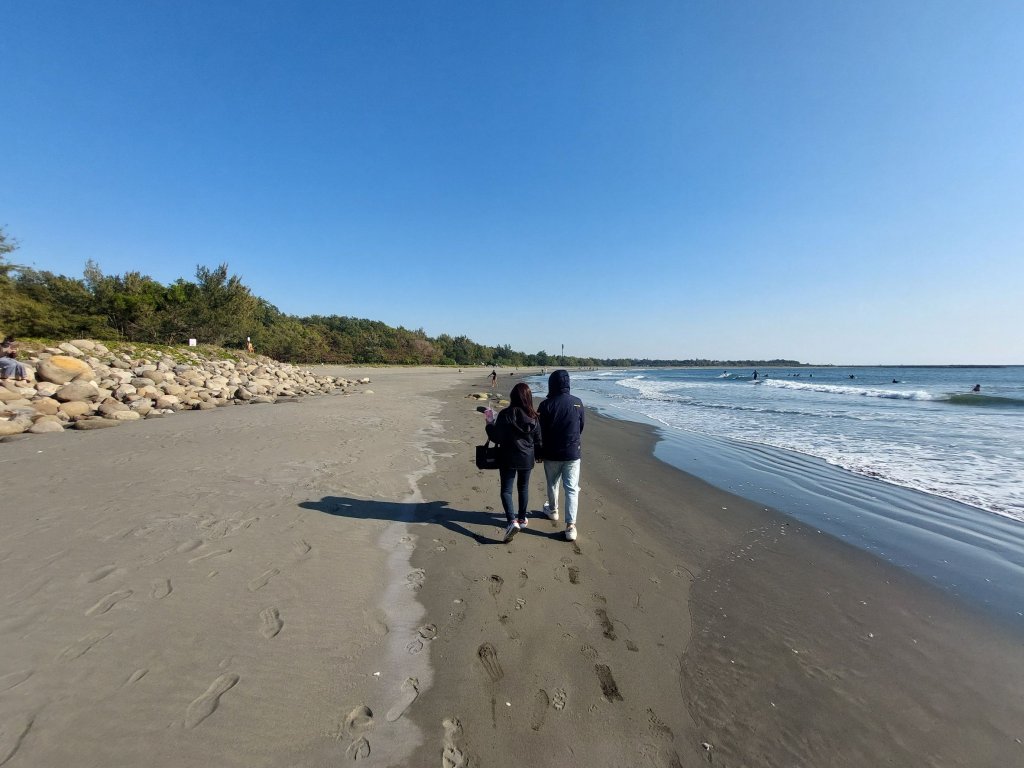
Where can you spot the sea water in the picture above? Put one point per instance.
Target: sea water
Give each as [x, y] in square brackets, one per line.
[907, 462]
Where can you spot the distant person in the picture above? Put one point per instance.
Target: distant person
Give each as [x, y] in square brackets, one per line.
[977, 388]
[895, 382]
[518, 435]
[8, 345]
[561, 422]
[10, 367]
[755, 375]
[494, 378]
[852, 376]
[248, 346]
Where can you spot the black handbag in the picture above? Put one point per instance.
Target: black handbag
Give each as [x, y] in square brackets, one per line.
[487, 456]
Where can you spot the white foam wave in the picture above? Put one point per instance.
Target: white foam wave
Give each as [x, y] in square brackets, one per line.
[836, 389]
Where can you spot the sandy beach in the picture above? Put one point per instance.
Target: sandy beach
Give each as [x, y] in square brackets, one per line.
[319, 582]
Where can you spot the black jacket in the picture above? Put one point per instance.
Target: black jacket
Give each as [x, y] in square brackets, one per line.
[561, 419]
[517, 435]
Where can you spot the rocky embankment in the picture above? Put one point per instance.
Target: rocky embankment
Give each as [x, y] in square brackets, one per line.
[84, 385]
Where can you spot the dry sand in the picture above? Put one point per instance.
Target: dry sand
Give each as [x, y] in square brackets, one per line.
[316, 583]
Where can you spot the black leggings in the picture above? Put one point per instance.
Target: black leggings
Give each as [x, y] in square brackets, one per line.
[521, 477]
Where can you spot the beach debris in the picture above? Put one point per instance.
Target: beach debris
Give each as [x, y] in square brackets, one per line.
[707, 747]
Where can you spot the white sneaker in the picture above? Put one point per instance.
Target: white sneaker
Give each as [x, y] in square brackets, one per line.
[548, 512]
[570, 533]
[511, 531]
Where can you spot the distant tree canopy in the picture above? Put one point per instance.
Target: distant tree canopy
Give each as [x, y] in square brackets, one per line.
[217, 308]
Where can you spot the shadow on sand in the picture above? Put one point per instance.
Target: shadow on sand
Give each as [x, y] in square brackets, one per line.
[436, 512]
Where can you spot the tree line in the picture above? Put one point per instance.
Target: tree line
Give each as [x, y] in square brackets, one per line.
[218, 308]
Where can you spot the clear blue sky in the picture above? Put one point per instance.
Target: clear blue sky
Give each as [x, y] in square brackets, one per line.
[833, 182]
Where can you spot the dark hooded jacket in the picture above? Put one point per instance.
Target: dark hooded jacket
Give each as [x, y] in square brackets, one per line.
[561, 419]
[518, 435]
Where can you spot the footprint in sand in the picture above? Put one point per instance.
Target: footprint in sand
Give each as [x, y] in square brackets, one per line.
[576, 549]
[631, 646]
[451, 755]
[100, 573]
[658, 727]
[208, 555]
[261, 581]
[302, 548]
[608, 687]
[410, 690]
[608, 629]
[358, 749]
[520, 603]
[559, 699]
[108, 602]
[9, 681]
[271, 622]
[539, 709]
[506, 622]
[414, 580]
[523, 577]
[160, 589]
[494, 585]
[204, 706]
[574, 574]
[358, 720]
[489, 659]
[82, 646]
[589, 652]
[12, 732]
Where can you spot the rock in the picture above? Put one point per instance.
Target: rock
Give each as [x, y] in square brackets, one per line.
[43, 427]
[96, 423]
[85, 344]
[61, 369]
[76, 409]
[205, 405]
[76, 391]
[71, 349]
[46, 406]
[167, 401]
[47, 388]
[14, 426]
[125, 416]
[7, 395]
[111, 407]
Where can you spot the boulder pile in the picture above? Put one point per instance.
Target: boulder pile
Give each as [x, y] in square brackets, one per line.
[82, 384]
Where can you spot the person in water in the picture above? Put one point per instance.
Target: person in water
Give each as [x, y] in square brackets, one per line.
[755, 374]
[977, 388]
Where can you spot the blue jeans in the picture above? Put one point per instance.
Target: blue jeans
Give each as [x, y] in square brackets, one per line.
[521, 478]
[566, 473]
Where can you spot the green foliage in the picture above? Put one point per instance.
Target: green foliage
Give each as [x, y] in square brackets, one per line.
[218, 309]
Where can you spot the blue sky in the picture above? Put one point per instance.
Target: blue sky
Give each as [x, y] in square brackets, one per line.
[832, 182]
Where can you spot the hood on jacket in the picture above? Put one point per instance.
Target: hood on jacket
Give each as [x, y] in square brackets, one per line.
[519, 420]
[558, 382]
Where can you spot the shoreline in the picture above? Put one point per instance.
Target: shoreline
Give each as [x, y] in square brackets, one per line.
[730, 626]
[323, 581]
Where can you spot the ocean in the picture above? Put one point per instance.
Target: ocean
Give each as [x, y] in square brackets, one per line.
[906, 462]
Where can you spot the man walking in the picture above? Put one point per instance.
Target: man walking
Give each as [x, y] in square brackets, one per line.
[561, 423]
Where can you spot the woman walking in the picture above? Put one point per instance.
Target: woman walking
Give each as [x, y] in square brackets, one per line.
[516, 431]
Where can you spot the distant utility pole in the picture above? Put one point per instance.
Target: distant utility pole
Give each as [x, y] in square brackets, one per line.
[561, 359]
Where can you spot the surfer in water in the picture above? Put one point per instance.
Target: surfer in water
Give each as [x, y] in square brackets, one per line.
[755, 375]
[977, 388]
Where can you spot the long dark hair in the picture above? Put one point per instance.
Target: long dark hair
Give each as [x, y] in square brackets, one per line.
[522, 397]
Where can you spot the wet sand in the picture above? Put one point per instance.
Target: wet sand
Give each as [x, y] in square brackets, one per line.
[322, 582]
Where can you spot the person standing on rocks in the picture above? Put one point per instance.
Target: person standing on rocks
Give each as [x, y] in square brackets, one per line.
[517, 434]
[561, 422]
